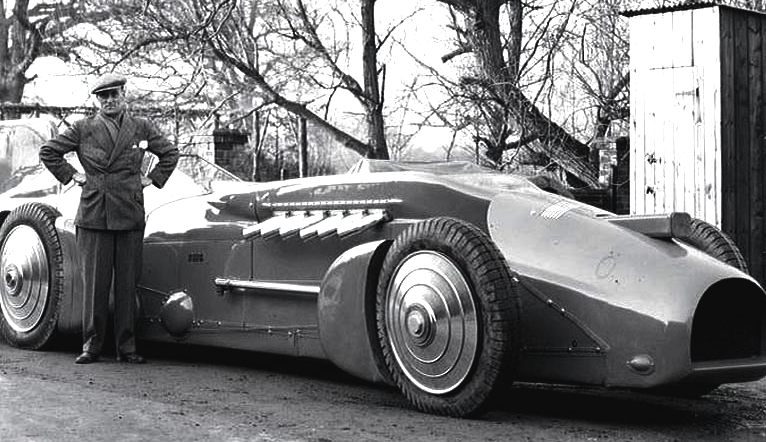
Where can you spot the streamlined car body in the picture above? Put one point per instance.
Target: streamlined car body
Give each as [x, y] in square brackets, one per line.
[445, 279]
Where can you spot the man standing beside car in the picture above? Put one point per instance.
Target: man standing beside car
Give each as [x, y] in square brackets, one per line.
[110, 218]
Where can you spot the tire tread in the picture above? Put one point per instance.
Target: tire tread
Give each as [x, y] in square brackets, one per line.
[714, 242]
[42, 218]
[498, 307]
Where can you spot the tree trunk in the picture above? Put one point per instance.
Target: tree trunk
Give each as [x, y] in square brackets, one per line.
[484, 38]
[374, 98]
[256, 146]
[303, 150]
[11, 86]
[516, 13]
[498, 77]
[11, 91]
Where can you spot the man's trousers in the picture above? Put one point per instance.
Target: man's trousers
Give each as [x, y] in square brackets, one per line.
[107, 254]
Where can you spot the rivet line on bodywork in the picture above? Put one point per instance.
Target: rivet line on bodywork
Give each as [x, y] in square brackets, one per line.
[601, 344]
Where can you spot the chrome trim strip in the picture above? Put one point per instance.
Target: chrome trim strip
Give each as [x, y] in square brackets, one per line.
[330, 204]
[305, 289]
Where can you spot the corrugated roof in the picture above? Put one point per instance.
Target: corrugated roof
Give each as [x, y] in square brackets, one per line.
[640, 7]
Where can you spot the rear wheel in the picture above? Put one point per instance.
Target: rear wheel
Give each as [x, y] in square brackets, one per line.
[32, 271]
[711, 240]
[447, 317]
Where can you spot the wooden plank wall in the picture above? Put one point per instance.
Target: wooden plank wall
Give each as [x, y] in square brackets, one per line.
[675, 109]
[698, 121]
[742, 125]
[707, 122]
[638, 50]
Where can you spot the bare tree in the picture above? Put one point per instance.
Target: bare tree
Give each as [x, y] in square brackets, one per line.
[592, 84]
[29, 30]
[513, 119]
[289, 53]
[599, 61]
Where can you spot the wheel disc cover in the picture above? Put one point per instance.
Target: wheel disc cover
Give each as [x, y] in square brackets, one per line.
[431, 322]
[24, 272]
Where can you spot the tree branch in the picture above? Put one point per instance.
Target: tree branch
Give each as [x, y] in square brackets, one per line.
[291, 106]
[459, 51]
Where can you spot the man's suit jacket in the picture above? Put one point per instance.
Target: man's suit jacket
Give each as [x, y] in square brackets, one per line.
[112, 197]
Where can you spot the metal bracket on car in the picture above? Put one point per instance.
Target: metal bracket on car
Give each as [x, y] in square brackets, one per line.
[671, 225]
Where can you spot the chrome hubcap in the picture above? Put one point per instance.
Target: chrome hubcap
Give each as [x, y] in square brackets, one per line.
[24, 286]
[12, 280]
[420, 324]
[431, 321]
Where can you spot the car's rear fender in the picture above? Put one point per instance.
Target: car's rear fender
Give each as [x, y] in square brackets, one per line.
[634, 294]
[346, 311]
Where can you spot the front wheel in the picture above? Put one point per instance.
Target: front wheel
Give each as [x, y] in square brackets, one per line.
[447, 317]
[32, 272]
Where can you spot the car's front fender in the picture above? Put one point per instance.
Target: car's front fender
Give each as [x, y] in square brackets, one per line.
[70, 305]
[346, 311]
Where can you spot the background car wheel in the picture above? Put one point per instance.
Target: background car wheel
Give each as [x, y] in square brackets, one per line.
[32, 267]
[447, 314]
[715, 243]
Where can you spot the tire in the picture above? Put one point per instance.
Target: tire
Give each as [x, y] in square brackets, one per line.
[32, 266]
[447, 314]
[714, 242]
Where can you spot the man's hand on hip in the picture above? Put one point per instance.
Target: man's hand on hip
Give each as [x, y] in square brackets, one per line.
[146, 181]
[79, 178]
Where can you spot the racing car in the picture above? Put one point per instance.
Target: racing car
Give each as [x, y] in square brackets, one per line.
[445, 279]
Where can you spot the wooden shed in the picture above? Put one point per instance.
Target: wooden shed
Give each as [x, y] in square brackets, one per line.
[698, 118]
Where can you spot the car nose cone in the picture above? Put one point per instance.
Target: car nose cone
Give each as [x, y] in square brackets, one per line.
[177, 314]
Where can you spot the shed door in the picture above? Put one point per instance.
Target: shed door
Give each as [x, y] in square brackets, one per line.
[669, 167]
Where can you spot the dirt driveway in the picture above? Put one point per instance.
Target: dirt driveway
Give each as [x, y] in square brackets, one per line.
[192, 393]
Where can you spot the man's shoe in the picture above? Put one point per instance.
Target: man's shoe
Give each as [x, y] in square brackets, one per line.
[131, 358]
[86, 358]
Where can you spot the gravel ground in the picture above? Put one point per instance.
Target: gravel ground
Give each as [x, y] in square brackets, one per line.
[195, 393]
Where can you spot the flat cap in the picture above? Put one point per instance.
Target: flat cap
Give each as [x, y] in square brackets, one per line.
[108, 81]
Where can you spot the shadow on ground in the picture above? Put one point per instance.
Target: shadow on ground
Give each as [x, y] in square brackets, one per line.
[726, 412]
